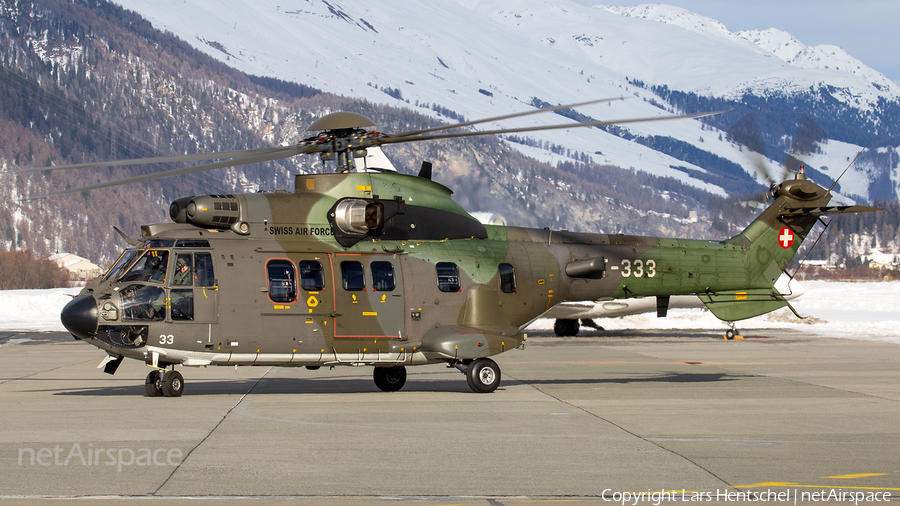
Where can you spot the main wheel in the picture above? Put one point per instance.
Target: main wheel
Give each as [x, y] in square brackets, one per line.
[172, 384]
[390, 379]
[483, 375]
[152, 384]
[566, 327]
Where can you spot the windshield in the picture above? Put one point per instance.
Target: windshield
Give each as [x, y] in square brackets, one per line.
[151, 266]
[121, 264]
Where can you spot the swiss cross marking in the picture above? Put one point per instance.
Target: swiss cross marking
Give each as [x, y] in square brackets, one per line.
[786, 238]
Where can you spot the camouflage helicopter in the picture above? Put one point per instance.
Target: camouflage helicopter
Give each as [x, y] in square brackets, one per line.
[370, 267]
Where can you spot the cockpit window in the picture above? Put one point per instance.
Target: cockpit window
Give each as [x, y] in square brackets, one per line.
[204, 274]
[159, 243]
[121, 264]
[192, 243]
[151, 266]
[184, 270]
[143, 302]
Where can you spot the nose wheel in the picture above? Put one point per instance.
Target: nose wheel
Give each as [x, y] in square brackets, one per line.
[164, 383]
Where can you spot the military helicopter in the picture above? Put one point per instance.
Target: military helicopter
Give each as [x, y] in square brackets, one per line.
[375, 268]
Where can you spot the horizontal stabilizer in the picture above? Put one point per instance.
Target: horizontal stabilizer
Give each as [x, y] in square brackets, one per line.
[740, 305]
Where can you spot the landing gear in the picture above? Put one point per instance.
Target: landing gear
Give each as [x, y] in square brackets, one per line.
[152, 384]
[483, 375]
[732, 333]
[566, 327]
[587, 322]
[164, 383]
[390, 379]
[172, 384]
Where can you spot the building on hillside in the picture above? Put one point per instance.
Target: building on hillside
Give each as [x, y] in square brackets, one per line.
[82, 269]
[822, 264]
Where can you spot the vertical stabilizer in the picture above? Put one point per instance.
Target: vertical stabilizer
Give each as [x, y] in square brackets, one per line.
[771, 241]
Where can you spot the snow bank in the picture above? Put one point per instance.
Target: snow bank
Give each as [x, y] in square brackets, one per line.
[35, 310]
[864, 311]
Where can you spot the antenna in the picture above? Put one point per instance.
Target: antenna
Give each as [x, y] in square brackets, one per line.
[848, 167]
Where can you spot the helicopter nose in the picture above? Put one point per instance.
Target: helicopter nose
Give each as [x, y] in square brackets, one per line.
[80, 316]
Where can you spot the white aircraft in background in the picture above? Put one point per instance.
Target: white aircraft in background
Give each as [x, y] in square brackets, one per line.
[570, 316]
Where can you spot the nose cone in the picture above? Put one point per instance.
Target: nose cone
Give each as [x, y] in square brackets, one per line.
[80, 316]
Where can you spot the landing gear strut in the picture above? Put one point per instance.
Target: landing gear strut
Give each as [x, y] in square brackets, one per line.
[164, 383]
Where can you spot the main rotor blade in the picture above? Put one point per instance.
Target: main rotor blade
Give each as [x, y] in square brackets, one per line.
[161, 159]
[507, 116]
[280, 153]
[394, 140]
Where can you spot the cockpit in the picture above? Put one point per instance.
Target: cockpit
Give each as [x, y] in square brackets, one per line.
[154, 281]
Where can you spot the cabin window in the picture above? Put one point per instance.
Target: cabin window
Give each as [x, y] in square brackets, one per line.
[353, 276]
[447, 276]
[507, 278]
[151, 266]
[382, 276]
[282, 281]
[312, 279]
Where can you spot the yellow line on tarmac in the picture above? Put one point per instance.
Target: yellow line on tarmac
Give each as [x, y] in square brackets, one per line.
[797, 485]
[851, 476]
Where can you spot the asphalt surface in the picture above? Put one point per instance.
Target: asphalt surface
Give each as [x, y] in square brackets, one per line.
[591, 419]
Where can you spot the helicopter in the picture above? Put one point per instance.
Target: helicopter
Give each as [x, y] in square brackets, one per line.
[368, 267]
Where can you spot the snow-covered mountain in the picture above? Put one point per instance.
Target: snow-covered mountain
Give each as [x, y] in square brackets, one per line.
[483, 58]
[834, 62]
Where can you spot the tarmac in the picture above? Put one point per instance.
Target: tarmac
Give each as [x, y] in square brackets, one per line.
[603, 418]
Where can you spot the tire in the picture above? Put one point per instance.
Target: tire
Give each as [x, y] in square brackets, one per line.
[390, 379]
[172, 384]
[729, 334]
[152, 384]
[483, 375]
[566, 328]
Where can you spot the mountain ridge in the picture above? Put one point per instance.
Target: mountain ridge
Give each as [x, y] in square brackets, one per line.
[481, 58]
